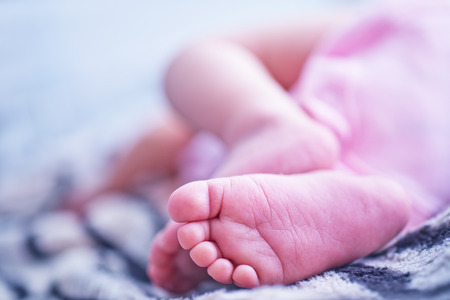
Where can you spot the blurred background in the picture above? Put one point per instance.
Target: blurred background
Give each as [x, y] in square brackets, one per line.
[79, 79]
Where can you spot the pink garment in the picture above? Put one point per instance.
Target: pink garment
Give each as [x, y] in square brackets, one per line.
[382, 84]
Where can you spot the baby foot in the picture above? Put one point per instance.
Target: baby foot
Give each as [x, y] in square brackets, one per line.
[275, 229]
[170, 266]
[281, 145]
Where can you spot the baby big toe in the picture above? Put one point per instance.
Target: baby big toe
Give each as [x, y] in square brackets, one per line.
[190, 202]
[191, 234]
[245, 276]
[205, 253]
[221, 270]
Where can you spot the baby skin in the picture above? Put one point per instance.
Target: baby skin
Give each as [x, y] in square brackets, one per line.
[282, 206]
[254, 230]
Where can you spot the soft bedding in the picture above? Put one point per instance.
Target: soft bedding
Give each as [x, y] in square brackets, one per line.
[49, 253]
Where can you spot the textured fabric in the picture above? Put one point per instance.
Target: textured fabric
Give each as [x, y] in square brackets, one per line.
[382, 84]
[47, 253]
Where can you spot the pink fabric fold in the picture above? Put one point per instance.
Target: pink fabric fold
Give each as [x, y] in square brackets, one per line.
[382, 84]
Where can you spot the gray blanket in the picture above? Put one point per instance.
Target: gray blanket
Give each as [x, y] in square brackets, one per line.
[48, 253]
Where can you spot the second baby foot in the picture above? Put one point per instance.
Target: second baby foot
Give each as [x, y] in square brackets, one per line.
[170, 266]
[277, 229]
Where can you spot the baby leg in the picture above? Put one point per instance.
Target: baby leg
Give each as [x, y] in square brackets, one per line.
[230, 93]
[277, 229]
[154, 156]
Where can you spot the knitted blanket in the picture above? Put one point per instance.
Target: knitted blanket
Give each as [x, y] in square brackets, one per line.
[48, 253]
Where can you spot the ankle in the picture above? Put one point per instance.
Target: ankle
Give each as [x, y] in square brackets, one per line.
[247, 122]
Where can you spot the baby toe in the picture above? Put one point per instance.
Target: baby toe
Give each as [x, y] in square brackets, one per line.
[198, 200]
[193, 233]
[221, 270]
[190, 202]
[245, 276]
[205, 253]
[166, 240]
